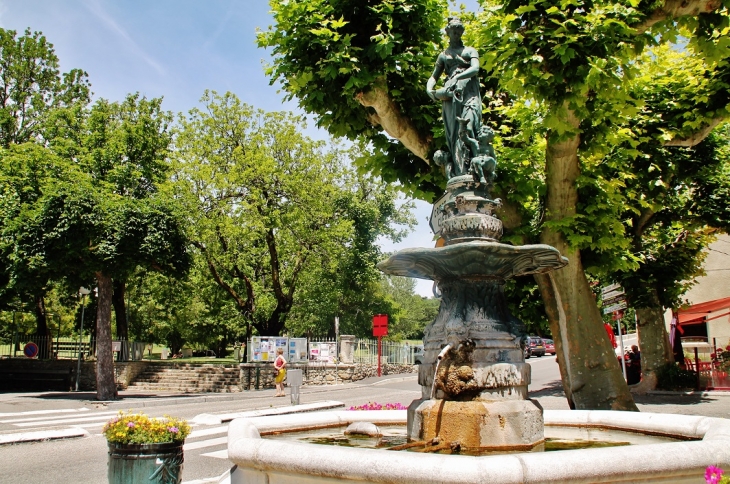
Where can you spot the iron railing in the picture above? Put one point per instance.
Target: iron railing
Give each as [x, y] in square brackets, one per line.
[66, 347]
[366, 351]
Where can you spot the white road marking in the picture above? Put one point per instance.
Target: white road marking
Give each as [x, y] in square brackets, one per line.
[60, 417]
[221, 454]
[43, 412]
[65, 421]
[206, 443]
[211, 431]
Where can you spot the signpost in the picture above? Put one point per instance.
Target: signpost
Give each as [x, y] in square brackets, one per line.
[614, 301]
[380, 329]
[337, 348]
[30, 350]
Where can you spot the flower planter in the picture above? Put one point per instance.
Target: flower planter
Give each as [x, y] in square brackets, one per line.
[149, 463]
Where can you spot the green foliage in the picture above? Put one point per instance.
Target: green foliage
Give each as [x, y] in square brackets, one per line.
[327, 52]
[31, 85]
[672, 377]
[523, 300]
[140, 429]
[412, 312]
[277, 216]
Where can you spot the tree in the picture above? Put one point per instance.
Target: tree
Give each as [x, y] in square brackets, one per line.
[350, 286]
[31, 85]
[31, 90]
[103, 212]
[413, 312]
[264, 203]
[572, 62]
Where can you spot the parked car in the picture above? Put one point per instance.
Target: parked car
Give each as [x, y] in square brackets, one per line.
[534, 347]
[418, 355]
[549, 346]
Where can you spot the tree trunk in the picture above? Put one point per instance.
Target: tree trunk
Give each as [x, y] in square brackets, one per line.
[655, 349]
[120, 314]
[591, 375]
[43, 335]
[106, 387]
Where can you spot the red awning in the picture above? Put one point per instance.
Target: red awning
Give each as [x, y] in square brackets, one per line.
[706, 311]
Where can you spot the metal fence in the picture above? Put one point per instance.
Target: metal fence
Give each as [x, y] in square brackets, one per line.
[48, 347]
[65, 347]
[366, 351]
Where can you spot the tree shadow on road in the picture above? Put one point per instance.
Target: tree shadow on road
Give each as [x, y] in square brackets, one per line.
[552, 389]
[555, 389]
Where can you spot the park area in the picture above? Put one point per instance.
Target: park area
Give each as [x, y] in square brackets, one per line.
[227, 199]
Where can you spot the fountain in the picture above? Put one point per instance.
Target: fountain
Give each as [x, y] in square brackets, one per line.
[474, 381]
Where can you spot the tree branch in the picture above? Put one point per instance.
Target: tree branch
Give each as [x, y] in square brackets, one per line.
[275, 272]
[643, 222]
[388, 116]
[677, 8]
[218, 279]
[695, 138]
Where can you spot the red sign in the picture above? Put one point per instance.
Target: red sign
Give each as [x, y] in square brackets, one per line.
[618, 315]
[380, 325]
[30, 350]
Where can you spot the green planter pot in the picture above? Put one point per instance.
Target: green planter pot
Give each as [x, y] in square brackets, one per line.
[145, 463]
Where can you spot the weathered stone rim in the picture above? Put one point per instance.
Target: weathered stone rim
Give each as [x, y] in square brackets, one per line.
[278, 461]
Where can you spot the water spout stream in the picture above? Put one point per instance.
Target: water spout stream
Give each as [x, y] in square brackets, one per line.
[436, 371]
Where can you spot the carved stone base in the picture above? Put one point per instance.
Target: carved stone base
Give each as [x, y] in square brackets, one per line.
[481, 381]
[478, 425]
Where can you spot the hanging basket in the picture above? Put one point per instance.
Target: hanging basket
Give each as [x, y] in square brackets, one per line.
[148, 463]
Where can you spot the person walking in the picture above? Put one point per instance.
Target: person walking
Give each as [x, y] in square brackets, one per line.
[280, 367]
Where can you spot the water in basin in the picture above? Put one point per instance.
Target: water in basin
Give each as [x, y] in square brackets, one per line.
[556, 438]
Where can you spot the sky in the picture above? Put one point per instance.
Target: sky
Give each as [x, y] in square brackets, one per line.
[175, 49]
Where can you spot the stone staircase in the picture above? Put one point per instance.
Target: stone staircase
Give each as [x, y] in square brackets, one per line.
[186, 377]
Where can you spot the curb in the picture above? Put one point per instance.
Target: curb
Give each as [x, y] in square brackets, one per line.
[693, 393]
[217, 419]
[166, 400]
[41, 435]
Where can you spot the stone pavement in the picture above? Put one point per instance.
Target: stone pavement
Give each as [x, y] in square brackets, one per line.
[712, 404]
[708, 404]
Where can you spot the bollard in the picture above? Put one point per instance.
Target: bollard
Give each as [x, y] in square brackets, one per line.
[258, 375]
[294, 380]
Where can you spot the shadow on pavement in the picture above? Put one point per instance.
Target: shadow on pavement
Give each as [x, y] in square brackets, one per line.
[91, 396]
[553, 389]
[678, 399]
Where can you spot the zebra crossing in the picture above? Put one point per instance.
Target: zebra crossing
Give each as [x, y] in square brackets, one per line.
[77, 417]
[202, 436]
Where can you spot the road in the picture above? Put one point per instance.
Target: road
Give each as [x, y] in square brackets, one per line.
[84, 460]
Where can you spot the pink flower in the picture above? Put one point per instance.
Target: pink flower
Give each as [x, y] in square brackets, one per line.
[173, 430]
[130, 425]
[713, 475]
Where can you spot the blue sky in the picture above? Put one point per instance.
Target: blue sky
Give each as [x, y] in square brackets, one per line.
[171, 48]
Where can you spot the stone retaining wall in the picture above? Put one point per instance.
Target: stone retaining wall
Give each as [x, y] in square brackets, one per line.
[126, 372]
[317, 374]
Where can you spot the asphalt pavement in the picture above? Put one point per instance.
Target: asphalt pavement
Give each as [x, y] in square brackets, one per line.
[548, 391]
[83, 460]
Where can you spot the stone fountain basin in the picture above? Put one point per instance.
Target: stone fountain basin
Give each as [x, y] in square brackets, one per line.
[263, 461]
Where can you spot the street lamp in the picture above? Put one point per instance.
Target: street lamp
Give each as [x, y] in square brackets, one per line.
[83, 292]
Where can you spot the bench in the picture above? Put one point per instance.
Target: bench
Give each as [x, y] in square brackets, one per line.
[25, 378]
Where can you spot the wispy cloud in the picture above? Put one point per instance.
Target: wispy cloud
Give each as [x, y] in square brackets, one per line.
[221, 26]
[95, 7]
[3, 9]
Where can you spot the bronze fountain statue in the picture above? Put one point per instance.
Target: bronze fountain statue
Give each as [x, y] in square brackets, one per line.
[474, 382]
